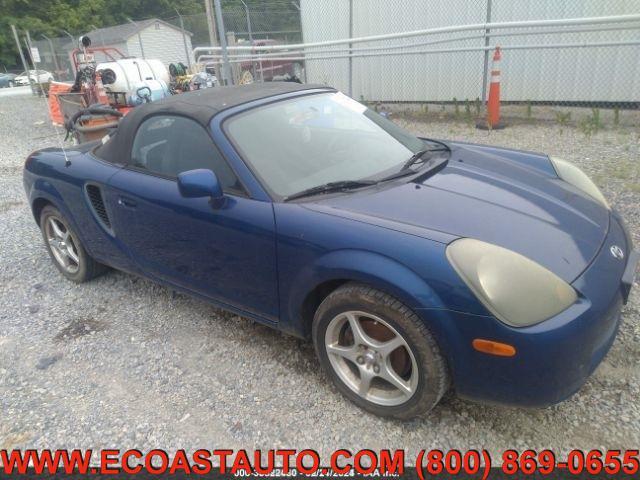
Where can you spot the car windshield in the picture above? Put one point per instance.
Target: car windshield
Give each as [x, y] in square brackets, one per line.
[297, 144]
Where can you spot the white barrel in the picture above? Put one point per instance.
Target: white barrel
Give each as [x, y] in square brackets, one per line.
[126, 74]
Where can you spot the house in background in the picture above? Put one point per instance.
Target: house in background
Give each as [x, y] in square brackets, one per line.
[151, 39]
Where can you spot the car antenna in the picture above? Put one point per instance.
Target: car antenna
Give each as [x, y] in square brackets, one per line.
[58, 134]
[67, 162]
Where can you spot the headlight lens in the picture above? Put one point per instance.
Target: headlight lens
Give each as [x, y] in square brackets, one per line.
[518, 291]
[571, 174]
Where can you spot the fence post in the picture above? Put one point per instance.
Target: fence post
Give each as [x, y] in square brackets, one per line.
[246, 11]
[15, 36]
[30, 47]
[350, 89]
[53, 53]
[226, 70]
[99, 33]
[184, 38]
[486, 55]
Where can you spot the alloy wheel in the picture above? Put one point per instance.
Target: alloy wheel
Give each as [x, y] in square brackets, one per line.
[62, 244]
[371, 358]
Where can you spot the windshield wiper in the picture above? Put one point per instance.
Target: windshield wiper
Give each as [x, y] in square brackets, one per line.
[330, 187]
[418, 156]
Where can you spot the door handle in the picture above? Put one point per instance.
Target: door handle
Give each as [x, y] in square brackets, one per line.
[126, 202]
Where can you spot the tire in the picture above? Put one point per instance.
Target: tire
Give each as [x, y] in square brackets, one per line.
[65, 249]
[11, 84]
[397, 341]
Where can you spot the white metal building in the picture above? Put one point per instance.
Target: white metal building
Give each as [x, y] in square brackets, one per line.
[151, 39]
[610, 74]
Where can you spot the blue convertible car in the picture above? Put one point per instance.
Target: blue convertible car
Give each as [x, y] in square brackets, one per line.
[413, 264]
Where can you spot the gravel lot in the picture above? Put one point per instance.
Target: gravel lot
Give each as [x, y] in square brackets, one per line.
[123, 362]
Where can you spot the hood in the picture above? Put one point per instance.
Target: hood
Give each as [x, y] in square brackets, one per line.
[505, 197]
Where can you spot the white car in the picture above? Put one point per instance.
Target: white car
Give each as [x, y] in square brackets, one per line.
[34, 76]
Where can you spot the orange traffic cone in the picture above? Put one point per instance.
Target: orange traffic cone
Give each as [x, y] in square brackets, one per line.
[493, 104]
[100, 91]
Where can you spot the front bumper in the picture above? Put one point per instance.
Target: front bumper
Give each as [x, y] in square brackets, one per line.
[554, 358]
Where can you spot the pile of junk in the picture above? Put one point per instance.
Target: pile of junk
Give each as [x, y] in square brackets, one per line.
[103, 92]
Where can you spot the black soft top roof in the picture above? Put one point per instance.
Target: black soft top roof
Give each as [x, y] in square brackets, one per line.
[199, 105]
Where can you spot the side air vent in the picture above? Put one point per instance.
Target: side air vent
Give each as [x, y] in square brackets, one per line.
[95, 197]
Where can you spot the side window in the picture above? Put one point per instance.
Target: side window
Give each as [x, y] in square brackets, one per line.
[169, 145]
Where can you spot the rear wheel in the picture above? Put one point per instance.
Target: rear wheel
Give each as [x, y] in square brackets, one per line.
[378, 353]
[65, 249]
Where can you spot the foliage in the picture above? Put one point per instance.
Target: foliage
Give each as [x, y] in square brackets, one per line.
[529, 110]
[592, 123]
[563, 119]
[51, 17]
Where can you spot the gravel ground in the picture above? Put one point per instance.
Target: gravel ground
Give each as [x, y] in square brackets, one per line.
[123, 362]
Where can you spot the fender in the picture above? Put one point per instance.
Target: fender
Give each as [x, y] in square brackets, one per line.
[363, 266]
[43, 189]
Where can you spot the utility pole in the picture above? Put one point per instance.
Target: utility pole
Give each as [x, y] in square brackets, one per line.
[213, 35]
[226, 68]
[184, 38]
[15, 36]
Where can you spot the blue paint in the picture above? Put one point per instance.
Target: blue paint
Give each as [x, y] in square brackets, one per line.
[264, 259]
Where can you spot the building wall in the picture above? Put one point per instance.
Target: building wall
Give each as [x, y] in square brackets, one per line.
[577, 74]
[162, 42]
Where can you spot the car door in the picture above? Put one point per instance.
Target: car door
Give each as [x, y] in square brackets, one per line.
[224, 252]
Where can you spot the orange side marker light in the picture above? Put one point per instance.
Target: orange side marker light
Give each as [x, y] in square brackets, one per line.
[494, 348]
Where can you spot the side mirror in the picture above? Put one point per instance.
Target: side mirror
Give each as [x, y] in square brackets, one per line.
[200, 183]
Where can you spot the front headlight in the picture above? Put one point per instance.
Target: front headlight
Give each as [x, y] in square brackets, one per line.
[571, 174]
[518, 291]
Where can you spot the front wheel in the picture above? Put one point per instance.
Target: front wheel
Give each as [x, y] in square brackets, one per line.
[65, 249]
[378, 353]
[12, 84]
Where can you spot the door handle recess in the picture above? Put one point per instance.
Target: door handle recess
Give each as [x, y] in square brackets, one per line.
[126, 202]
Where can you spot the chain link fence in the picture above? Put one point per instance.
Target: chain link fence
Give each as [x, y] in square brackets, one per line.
[571, 64]
[591, 64]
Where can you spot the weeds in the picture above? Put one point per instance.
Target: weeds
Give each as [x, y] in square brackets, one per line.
[591, 124]
[456, 108]
[563, 120]
[478, 105]
[467, 112]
